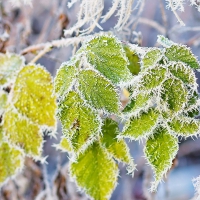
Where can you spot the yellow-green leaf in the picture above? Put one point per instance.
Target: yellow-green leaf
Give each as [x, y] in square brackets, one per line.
[160, 150]
[96, 172]
[22, 132]
[33, 95]
[98, 91]
[11, 162]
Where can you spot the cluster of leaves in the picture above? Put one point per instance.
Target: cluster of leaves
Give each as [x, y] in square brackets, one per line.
[27, 109]
[163, 105]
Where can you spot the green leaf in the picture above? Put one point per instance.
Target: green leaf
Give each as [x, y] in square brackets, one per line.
[96, 172]
[106, 54]
[3, 101]
[116, 147]
[1, 133]
[165, 42]
[33, 95]
[80, 123]
[10, 64]
[182, 53]
[184, 126]
[134, 60]
[174, 94]
[98, 91]
[141, 126]
[160, 150]
[152, 77]
[11, 162]
[64, 78]
[22, 132]
[137, 103]
[183, 72]
[151, 58]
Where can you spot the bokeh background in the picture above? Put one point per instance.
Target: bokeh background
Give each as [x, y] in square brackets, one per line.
[45, 21]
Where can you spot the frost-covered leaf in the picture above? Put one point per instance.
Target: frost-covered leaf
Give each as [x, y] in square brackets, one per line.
[65, 145]
[9, 66]
[137, 103]
[96, 172]
[184, 126]
[65, 78]
[134, 60]
[98, 91]
[106, 54]
[80, 123]
[3, 101]
[22, 132]
[152, 77]
[182, 53]
[140, 126]
[151, 57]
[116, 147]
[33, 95]
[183, 72]
[165, 42]
[160, 150]
[11, 162]
[174, 94]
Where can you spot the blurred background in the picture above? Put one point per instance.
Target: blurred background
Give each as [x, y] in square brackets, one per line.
[45, 21]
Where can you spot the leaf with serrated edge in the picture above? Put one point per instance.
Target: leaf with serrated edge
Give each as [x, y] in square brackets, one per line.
[80, 123]
[98, 91]
[152, 77]
[33, 95]
[96, 172]
[151, 58]
[182, 53]
[11, 162]
[183, 73]
[160, 150]
[134, 60]
[105, 53]
[136, 103]
[23, 133]
[10, 64]
[174, 94]
[65, 78]
[184, 126]
[116, 147]
[141, 126]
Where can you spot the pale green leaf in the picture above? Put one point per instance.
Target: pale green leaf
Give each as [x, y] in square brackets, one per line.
[183, 72]
[184, 126]
[65, 78]
[174, 94]
[98, 91]
[33, 95]
[134, 60]
[80, 123]
[11, 162]
[141, 126]
[3, 101]
[10, 64]
[182, 53]
[151, 58]
[96, 172]
[22, 132]
[160, 150]
[1, 133]
[116, 147]
[106, 54]
[152, 77]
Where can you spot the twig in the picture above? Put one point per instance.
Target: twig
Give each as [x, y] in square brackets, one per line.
[46, 47]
